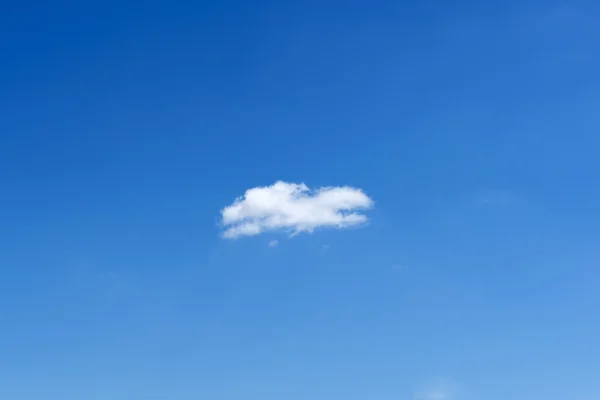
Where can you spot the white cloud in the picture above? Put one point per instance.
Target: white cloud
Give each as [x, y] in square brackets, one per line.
[273, 243]
[443, 389]
[294, 207]
[432, 394]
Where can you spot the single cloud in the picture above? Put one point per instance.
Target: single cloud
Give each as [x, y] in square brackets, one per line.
[443, 389]
[432, 394]
[273, 243]
[293, 207]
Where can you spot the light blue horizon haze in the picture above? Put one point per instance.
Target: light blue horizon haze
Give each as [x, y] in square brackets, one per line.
[125, 128]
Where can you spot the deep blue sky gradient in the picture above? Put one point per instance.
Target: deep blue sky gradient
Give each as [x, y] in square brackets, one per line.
[126, 127]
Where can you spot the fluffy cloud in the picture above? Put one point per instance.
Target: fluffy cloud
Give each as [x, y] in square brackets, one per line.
[432, 394]
[443, 389]
[295, 208]
[273, 243]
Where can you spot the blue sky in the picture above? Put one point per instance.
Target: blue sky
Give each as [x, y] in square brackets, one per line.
[127, 128]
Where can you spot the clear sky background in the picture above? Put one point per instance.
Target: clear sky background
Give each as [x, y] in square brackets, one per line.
[125, 129]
